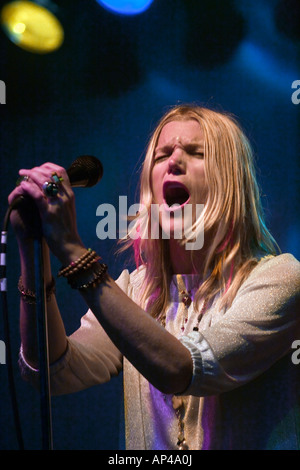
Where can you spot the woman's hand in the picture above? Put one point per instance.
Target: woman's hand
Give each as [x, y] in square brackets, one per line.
[54, 217]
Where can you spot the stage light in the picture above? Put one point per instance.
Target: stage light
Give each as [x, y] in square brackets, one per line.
[32, 26]
[126, 7]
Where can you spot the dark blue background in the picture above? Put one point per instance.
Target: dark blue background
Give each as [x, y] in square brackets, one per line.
[102, 94]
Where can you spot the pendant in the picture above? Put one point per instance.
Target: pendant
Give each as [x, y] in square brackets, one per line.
[183, 446]
[176, 402]
[186, 298]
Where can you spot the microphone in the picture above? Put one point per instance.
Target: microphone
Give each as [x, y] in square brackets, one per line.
[85, 171]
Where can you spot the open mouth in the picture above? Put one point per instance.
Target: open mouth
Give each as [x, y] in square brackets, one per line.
[175, 193]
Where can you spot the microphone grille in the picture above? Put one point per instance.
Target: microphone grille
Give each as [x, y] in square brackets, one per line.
[92, 167]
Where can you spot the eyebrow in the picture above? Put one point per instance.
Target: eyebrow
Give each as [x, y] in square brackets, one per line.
[191, 145]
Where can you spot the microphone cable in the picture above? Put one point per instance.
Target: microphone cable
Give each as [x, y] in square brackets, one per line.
[3, 289]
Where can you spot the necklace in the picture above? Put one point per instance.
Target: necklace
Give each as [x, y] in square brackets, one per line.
[185, 299]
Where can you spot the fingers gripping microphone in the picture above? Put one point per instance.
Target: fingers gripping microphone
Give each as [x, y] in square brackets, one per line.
[85, 171]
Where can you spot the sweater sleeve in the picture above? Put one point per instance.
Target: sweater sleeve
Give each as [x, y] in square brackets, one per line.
[90, 359]
[254, 333]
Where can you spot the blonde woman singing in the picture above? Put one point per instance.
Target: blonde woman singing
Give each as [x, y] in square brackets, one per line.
[203, 333]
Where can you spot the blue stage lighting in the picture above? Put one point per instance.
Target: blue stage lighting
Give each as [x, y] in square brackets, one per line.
[126, 7]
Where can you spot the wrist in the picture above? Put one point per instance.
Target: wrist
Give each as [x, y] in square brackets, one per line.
[71, 253]
[86, 271]
[29, 295]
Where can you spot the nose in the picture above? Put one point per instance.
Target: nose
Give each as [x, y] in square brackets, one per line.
[176, 162]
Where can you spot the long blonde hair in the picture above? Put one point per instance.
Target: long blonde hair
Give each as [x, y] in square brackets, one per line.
[233, 213]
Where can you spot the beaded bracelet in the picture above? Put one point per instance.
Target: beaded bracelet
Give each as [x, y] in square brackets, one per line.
[86, 271]
[81, 263]
[29, 296]
[96, 275]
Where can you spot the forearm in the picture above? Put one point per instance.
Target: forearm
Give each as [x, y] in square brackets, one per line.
[28, 324]
[155, 353]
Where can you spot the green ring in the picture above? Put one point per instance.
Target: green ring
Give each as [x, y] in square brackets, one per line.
[50, 189]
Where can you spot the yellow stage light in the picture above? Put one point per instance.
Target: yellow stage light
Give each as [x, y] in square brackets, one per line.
[32, 27]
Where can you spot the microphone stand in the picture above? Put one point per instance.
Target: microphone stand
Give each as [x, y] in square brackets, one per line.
[41, 309]
[41, 320]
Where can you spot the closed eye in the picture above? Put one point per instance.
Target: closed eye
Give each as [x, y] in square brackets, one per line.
[194, 151]
[160, 158]
[200, 155]
[191, 149]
